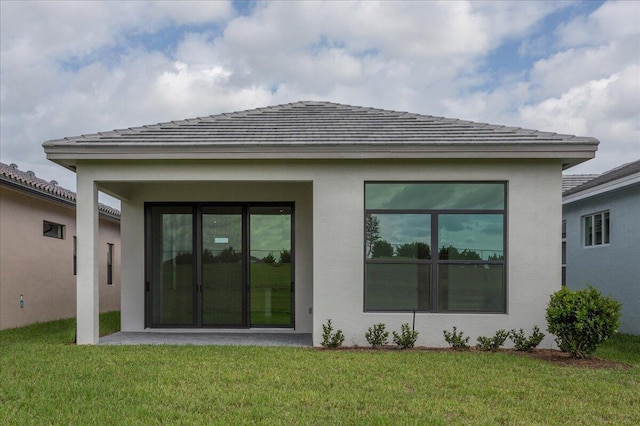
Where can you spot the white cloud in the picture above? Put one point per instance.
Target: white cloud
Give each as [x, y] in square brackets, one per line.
[614, 19]
[79, 67]
[577, 66]
[608, 109]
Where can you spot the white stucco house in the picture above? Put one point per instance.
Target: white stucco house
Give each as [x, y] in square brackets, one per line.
[282, 217]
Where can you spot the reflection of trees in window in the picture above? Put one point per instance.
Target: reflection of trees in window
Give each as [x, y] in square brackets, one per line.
[285, 256]
[372, 232]
[452, 253]
[415, 250]
[227, 255]
[381, 248]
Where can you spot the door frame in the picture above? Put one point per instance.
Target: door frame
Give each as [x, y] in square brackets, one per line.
[197, 207]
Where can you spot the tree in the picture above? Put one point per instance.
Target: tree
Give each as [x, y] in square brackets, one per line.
[269, 258]
[382, 248]
[372, 232]
[415, 250]
[285, 256]
[228, 255]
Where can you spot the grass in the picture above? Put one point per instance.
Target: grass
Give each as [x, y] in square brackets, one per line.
[45, 380]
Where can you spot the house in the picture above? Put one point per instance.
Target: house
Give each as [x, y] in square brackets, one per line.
[38, 253]
[283, 217]
[601, 232]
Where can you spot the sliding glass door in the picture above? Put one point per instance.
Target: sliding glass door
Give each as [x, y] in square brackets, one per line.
[222, 267]
[270, 273]
[172, 275]
[219, 265]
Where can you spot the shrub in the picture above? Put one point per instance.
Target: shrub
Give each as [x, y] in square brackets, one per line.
[455, 339]
[407, 337]
[492, 343]
[377, 335]
[329, 338]
[523, 343]
[581, 320]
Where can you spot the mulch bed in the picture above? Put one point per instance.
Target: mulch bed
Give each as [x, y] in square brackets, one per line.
[552, 356]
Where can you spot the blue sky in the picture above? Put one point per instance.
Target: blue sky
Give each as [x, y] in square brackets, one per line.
[68, 68]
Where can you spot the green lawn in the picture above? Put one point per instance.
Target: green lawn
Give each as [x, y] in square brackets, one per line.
[46, 380]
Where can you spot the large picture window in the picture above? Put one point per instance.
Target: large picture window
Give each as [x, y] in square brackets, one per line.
[435, 246]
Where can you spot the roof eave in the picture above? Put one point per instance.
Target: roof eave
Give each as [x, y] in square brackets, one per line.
[570, 153]
[602, 188]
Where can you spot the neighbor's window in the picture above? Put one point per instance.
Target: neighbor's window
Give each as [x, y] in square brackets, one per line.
[109, 263]
[564, 252]
[596, 229]
[53, 230]
[464, 221]
[75, 256]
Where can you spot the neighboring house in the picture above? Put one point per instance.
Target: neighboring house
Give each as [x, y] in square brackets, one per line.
[601, 229]
[283, 217]
[37, 253]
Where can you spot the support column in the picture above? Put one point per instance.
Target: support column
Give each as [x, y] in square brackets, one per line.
[87, 279]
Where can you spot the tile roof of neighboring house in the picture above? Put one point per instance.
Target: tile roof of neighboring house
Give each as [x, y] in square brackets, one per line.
[571, 181]
[10, 174]
[312, 129]
[620, 172]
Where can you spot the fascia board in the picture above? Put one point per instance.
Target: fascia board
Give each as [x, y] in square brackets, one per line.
[355, 151]
[603, 188]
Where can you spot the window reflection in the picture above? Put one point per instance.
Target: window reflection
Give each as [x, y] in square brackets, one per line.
[398, 236]
[427, 196]
[470, 236]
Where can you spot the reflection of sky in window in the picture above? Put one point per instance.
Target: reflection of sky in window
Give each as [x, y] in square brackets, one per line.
[177, 234]
[222, 227]
[400, 229]
[482, 233]
[270, 234]
[488, 196]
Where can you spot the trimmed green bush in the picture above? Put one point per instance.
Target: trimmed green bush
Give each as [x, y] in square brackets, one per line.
[492, 343]
[581, 320]
[523, 343]
[329, 338]
[377, 335]
[407, 337]
[455, 339]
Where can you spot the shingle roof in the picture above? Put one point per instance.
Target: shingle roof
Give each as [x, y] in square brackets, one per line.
[311, 126]
[28, 181]
[619, 172]
[571, 181]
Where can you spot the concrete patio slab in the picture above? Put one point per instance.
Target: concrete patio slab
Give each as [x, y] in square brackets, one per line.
[215, 339]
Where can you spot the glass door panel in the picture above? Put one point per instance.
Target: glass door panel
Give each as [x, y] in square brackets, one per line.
[270, 275]
[172, 263]
[223, 299]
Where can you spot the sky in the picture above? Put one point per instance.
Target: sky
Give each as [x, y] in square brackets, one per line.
[70, 68]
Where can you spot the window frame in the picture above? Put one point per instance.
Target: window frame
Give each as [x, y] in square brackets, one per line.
[588, 221]
[48, 233]
[75, 255]
[435, 260]
[110, 250]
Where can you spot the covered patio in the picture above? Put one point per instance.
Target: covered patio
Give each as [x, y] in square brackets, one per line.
[204, 339]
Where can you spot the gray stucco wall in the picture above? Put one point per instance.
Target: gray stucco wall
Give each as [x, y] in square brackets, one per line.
[614, 268]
